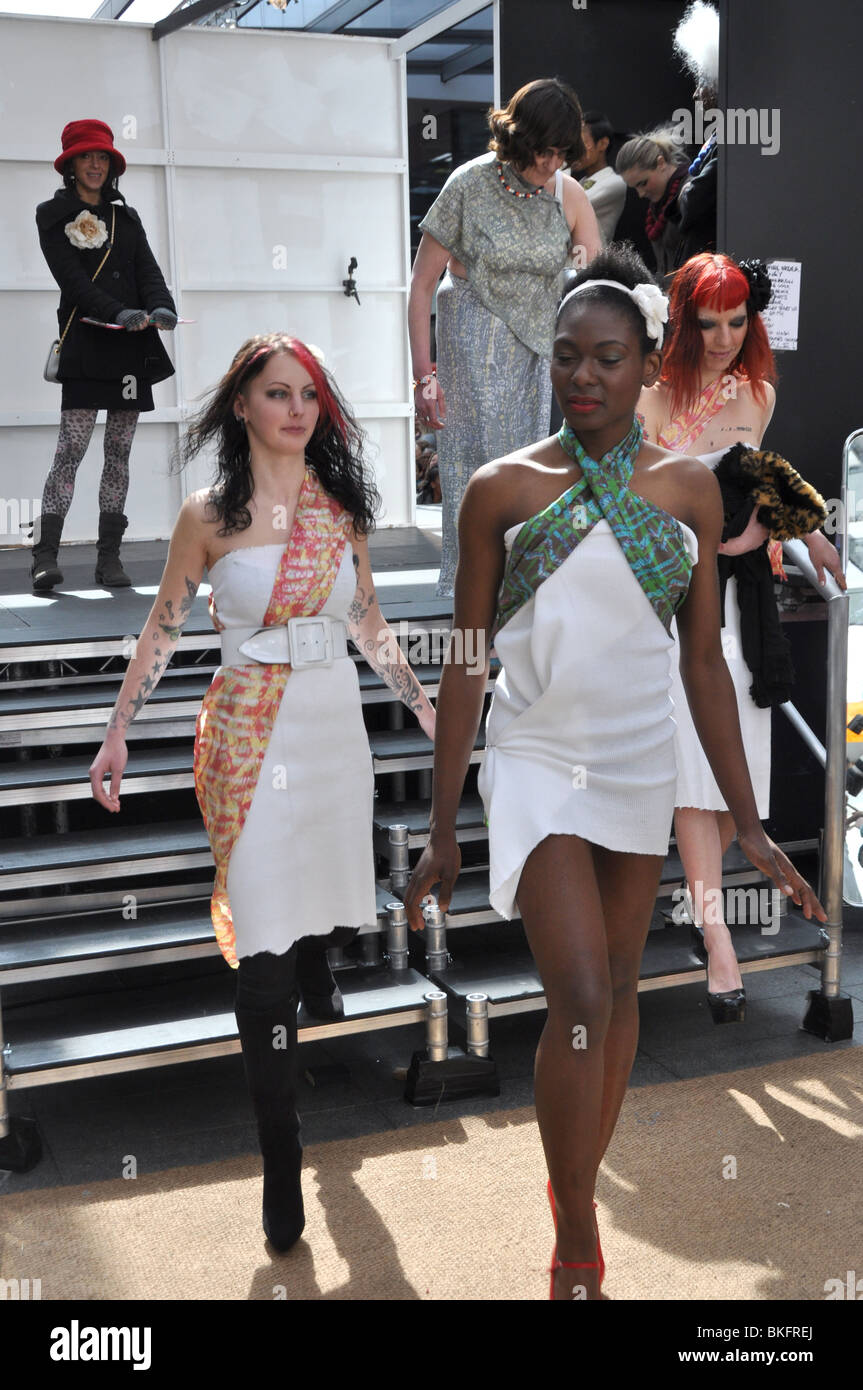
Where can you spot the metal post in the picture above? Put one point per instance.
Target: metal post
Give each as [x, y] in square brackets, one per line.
[370, 947]
[436, 1025]
[477, 1024]
[398, 784]
[834, 790]
[435, 934]
[397, 936]
[400, 865]
[4, 1108]
[829, 1014]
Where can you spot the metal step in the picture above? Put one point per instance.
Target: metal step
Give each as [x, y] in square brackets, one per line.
[409, 750]
[68, 779]
[184, 1021]
[87, 855]
[470, 822]
[86, 943]
[510, 980]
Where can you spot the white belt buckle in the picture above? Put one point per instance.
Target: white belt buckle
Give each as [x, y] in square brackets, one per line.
[310, 642]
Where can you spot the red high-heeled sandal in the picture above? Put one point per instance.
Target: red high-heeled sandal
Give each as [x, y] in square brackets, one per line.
[556, 1264]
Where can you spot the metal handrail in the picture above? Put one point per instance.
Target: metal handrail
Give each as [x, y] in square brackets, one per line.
[834, 760]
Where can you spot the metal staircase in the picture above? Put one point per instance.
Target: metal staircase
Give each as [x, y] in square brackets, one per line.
[92, 896]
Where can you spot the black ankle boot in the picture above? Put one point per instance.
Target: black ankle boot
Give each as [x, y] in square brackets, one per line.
[109, 571]
[269, 1039]
[44, 570]
[319, 992]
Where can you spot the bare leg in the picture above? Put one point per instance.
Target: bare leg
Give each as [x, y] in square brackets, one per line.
[586, 1049]
[702, 843]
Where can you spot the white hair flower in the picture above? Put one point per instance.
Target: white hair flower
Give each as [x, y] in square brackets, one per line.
[654, 307]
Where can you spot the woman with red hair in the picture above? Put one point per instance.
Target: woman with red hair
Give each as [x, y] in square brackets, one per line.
[282, 534]
[716, 391]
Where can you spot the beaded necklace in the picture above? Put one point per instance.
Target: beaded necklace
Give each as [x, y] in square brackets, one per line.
[516, 191]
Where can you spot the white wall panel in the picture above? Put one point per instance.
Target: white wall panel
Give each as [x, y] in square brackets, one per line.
[154, 492]
[56, 72]
[215, 201]
[282, 93]
[279, 226]
[361, 343]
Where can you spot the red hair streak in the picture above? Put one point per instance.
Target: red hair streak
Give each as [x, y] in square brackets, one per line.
[710, 281]
[329, 410]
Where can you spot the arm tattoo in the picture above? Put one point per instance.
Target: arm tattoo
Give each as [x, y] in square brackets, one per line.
[171, 625]
[397, 675]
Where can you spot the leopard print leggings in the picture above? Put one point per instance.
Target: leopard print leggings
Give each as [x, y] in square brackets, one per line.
[76, 430]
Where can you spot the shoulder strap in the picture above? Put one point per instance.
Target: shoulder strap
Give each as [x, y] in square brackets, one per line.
[558, 186]
[96, 272]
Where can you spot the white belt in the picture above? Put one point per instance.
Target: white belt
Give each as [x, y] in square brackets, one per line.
[315, 641]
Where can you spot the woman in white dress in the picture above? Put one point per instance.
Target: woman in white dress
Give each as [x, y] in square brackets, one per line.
[716, 391]
[282, 764]
[573, 554]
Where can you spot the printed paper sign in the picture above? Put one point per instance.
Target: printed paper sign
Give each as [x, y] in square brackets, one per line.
[782, 313]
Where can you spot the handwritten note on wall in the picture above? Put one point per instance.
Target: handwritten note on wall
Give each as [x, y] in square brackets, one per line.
[782, 313]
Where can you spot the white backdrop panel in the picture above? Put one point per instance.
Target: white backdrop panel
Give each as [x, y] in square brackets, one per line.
[361, 343]
[289, 227]
[154, 494]
[282, 94]
[55, 72]
[31, 323]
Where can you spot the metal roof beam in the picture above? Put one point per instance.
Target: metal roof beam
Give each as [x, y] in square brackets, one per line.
[202, 9]
[338, 15]
[465, 60]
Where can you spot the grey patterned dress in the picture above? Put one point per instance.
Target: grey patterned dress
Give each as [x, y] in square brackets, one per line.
[495, 329]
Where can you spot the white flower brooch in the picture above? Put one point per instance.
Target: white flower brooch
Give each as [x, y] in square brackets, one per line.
[87, 232]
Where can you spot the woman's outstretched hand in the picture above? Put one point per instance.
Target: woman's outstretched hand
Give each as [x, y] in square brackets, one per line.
[769, 858]
[439, 862]
[110, 761]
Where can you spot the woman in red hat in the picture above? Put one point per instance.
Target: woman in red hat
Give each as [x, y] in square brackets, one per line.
[98, 253]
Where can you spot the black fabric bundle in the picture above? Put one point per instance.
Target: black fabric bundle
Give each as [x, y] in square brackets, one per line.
[789, 507]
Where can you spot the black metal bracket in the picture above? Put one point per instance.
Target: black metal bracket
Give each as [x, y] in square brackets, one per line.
[350, 285]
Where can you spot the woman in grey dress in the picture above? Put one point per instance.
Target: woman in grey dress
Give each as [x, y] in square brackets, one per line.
[504, 228]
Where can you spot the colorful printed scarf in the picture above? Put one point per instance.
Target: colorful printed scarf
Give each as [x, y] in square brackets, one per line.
[240, 707]
[650, 538]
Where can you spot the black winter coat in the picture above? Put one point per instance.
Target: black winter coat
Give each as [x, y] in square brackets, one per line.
[129, 279]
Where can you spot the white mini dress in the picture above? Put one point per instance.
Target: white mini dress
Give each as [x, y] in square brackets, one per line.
[696, 785]
[303, 862]
[580, 733]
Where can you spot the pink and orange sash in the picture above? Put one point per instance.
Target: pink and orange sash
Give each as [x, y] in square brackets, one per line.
[682, 433]
[236, 719]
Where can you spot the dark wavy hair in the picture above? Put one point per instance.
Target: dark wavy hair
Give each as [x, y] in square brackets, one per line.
[334, 451]
[621, 262]
[543, 115]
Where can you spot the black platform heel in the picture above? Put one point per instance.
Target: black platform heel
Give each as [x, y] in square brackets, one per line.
[728, 1007]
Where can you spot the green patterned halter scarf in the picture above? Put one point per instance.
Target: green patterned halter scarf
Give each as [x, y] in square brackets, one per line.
[651, 539]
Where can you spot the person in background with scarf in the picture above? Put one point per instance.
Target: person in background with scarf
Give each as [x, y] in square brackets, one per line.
[715, 392]
[655, 165]
[574, 553]
[283, 771]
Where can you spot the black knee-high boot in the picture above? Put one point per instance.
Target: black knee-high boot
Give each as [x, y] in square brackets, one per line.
[269, 1038]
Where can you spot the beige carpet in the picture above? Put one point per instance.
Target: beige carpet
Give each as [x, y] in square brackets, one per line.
[455, 1208]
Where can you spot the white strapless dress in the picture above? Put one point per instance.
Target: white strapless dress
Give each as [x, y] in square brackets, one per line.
[303, 862]
[580, 734]
[696, 785]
